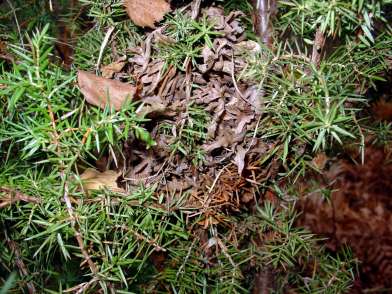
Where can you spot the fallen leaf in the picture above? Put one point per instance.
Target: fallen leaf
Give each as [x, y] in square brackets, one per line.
[223, 140]
[145, 13]
[242, 122]
[115, 67]
[320, 160]
[101, 91]
[247, 46]
[151, 104]
[95, 180]
[239, 158]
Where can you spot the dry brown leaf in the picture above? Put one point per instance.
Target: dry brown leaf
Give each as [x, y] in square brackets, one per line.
[95, 180]
[115, 67]
[145, 13]
[320, 160]
[239, 158]
[153, 105]
[100, 91]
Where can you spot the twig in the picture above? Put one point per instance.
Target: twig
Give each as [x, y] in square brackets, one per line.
[196, 9]
[19, 262]
[216, 179]
[13, 196]
[17, 23]
[224, 250]
[254, 134]
[318, 45]
[103, 46]
[186, 258]
[81, 288]
[151, 242]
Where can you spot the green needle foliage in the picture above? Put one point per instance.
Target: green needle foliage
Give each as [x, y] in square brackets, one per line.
[311, 109]
[334, 18]
[190, 37]
[139, 242]
[46, 133]
[40, 101]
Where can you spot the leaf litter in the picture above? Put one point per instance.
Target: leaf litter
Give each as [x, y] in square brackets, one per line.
[215, 161]
[357, 213]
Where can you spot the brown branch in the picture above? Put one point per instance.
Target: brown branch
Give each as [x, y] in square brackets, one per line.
[7, 57]
[12, 196]
[264, 11]
[196, 9]
[19, 262]
[318, 46]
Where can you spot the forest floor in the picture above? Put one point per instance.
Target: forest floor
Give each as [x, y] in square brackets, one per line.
[187, 156]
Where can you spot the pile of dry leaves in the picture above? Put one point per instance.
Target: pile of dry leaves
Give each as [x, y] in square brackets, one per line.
[229, 172]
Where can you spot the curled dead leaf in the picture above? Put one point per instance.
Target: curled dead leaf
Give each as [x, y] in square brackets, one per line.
[145, 13]
[115, 67]
[95, 180]
[101, 91]
[320, 160]
[247, 46]
[239, 158]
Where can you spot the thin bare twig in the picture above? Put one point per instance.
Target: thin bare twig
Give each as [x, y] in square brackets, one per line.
[103, 46]
[318, 45]
[13, 196]
[19, 262]
[216, 179]
[17, 23]
[186, 258]
[81, 288]
[142, 238]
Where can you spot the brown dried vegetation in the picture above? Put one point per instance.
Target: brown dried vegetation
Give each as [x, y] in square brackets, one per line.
[358, 213]
[229, 173]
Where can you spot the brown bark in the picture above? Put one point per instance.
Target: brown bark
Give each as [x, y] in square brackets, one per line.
[318, 45]
[264, 11]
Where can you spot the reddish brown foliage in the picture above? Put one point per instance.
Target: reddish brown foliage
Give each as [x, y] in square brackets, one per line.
[383, 110]
[359, 214]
